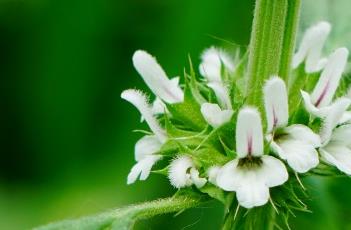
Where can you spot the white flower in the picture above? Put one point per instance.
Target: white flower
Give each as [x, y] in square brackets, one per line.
[222, 94]
[182, 173]
[296, 143]
[252, 173]
[276, 103]
[156, 78]
[212, 173]
[145, 157]
[336, 141]
[311, 48]
[212, 61]
[318, 103]
[214, 115]
[147, 146]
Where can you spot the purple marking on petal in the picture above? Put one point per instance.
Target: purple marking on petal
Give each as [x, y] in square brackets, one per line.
[275, 118]
[249, 144]
[321, 97]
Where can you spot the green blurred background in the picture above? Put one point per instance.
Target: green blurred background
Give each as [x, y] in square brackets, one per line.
[67, 141]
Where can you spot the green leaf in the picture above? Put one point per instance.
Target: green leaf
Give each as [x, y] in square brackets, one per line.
[188, 112]
[124, 218]
[215, 192]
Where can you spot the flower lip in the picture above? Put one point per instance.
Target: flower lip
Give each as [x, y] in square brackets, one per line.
[156, 78]
[276, 103]
[329, 80]
[249, 136]
[311, 47]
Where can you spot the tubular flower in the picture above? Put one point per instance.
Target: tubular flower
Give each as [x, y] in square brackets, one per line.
[336, 149]
[311, 46]
[252, 173]
[318, 103]
[147, 146]
[182, 173]
[295, 143]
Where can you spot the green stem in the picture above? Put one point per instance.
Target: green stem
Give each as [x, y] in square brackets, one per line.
[124, 218]
[291, 25]
[272, 44]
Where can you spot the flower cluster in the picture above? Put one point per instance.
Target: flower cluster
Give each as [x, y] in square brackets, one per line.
[217, 143]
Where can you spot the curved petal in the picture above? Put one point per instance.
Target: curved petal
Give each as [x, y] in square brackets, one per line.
[139, 100]
[249, 136]
[333, 117]
[147, 164]
[276, 103]
[158, 107]
[142, 168]
[178, 172]
[304, 134]
[222, 94]
[198, 181]
[145, 146]
[300, 156]
[156, 78]
[342, 135]
[211, 64]
[337, 155]
[328, 82]
[213, 173]
[311, 108]
[311, 47]
[252, 192]
[273, 171]
[346, 117]
[228, 175]
[214, 115]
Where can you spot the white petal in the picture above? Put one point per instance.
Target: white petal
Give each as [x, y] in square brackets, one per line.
[252, 192]
[147, 164]
[158, 107]
[332, 119]
[214, 115]
[304, 134]
[300, 156]
[309, 106]
[273, 171]
[337, 155]
[139, 100]
[198, 182]
[213, 173]
[156, 79]
[145, 146]
[249, 136]
[328, 82]
[211, 64]
[222, 94]
[178, 172]
[346, 117]
[311, 47]
[342, 135]
[228, 175]
[142, 168]
[276, 103]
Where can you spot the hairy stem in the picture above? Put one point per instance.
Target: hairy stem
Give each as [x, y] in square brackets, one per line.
[291, 25]
[271, 45]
